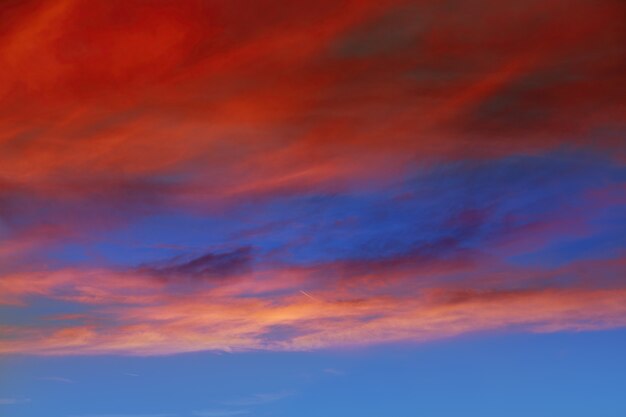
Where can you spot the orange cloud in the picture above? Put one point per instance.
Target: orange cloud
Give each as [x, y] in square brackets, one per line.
[138, 315]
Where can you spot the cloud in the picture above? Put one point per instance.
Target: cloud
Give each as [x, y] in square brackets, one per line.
[434, 257]
[333, 371]
[56, 379]
[10, 401]
[209, 266]
[367, 172]
[194, 117]
[259, 399]
[126, 415]
[220, 413]
[389, 310]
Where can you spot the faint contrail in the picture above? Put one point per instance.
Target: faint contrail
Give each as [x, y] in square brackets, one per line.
[309, 295]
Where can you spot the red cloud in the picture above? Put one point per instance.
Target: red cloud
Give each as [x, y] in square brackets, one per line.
[107, 88]
[112, 108]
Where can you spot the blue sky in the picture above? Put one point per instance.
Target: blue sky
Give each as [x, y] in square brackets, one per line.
[575, 374]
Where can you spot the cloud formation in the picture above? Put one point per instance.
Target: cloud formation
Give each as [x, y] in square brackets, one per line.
[160, 321]
[207, 175]
[207, 266]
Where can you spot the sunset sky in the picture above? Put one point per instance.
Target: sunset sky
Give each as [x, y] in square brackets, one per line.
[319, 208]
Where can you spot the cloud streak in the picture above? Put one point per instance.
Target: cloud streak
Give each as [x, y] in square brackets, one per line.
[56, 379]
[400, 311]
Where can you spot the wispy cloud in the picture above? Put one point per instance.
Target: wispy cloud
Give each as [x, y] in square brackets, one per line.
[333, 371]
[10, 401]
[125, 415]
[240, 404]
[258, 399]
[369, 307]
[56, 379]
[220, 413]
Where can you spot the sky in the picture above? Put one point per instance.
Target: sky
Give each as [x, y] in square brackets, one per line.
[312, 209]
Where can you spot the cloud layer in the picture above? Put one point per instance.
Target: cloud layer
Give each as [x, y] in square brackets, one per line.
[275, 175]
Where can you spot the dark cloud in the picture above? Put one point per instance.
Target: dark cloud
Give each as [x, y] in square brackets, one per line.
[389, 34]
[209, 266]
